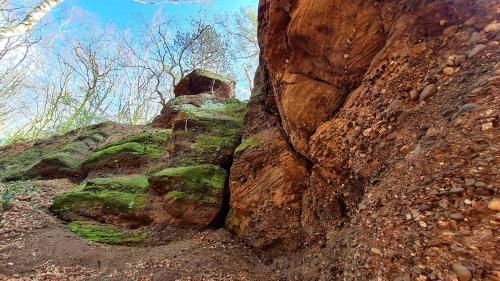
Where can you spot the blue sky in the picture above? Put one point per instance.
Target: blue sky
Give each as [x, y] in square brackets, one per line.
[123, 13]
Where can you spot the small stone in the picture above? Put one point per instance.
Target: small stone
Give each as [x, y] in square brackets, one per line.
[470, 182]
[423, 224]
[471, 21]
[448, 71]
[457, 216]
[405, 149]
[432, 132]
[395, 105]
[443, 224]
[346, 56]
[487, 126]
[466, 108]
[457, 190]
[463, 274]
[474, 38]
[492, 27]
[476, 50]
[480, 184]
[443, 22]
[368, 132]
[494, 204]
[428, 92]
[376, 251]
[414, 95]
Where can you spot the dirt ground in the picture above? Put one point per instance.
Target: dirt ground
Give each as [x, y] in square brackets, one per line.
[34, 245]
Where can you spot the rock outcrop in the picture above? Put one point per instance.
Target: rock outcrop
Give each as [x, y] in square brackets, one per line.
[135, 178]
[370, 141]
[202, 81]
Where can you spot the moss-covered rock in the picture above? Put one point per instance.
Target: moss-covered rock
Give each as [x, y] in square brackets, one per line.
[192, 195]
[56, 157]
[79, 202]
[105, 234]
[133, 150]
[194, 180]
[131, 184]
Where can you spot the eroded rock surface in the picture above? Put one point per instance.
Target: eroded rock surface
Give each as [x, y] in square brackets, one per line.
[360, 150]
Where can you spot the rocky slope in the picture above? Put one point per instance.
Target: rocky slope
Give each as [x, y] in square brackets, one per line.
[370, 149]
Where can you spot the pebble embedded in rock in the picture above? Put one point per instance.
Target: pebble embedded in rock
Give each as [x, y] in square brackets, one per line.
[492, 27]
[494, 204]
[465, 108]
[414, 95]
[487, 126]
[476, 50]
[457, 216]
[463, 273]
[428, 92]
[448, 71]
[376, 251]
[457, 190]
[474, 38]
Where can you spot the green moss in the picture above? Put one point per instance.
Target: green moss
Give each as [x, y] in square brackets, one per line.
[104, 234]
[249, 143]
[209, 176]
[148, 137]
[76, 201]
[194, 180]
[68, 160]
[177, 195]
[132, 184]
[134, 148]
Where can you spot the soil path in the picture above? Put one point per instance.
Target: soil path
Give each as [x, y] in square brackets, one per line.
[36, 246]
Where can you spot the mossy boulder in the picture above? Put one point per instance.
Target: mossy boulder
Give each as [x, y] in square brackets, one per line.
[132, 184]
[105, 234]
[103, 204]
[132, 151]
[192, 194]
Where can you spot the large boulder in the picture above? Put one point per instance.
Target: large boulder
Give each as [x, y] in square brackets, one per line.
[203, 81]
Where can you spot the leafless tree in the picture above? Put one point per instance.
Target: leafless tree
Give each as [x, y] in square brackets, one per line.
[167, 55]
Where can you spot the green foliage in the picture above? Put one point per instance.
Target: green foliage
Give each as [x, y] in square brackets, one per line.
[132, 184]
[177, 195]
[104, 234]
[8, 191]
[249, 143]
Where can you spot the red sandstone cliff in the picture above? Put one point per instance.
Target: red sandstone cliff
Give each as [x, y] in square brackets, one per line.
[371, 143]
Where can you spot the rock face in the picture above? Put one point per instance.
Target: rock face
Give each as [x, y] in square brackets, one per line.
[202, 81]
[341, 154]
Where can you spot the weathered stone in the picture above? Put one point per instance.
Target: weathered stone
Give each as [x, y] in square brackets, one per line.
[428, 92]
[476, 50]
[494, 204]
[205, 82]
[463, 273]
